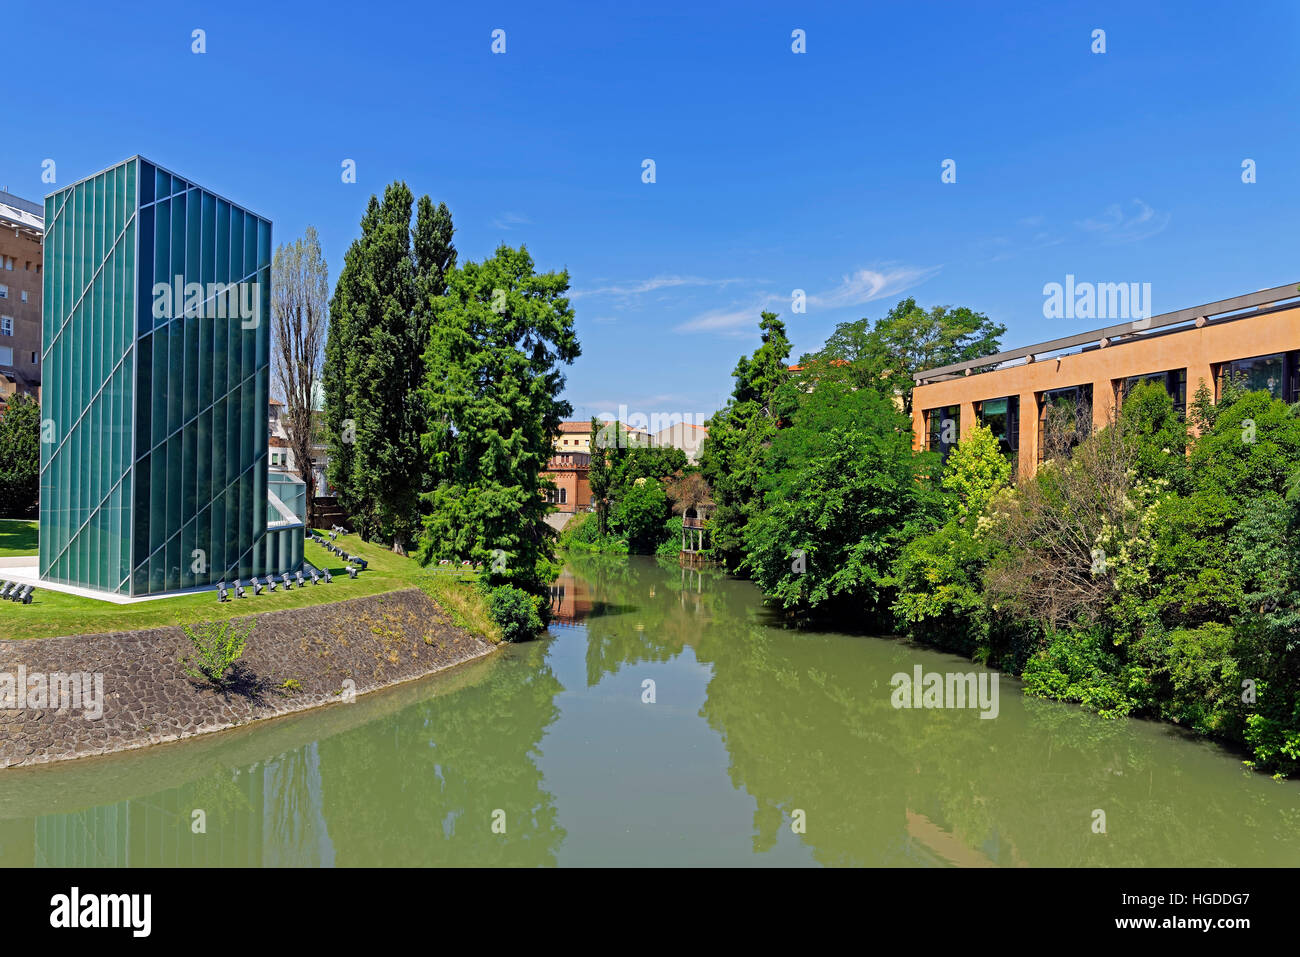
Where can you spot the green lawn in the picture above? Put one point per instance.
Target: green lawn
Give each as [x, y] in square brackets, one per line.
[17, 537]
[53, 613]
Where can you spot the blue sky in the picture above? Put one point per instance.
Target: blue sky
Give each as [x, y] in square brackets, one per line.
[775, 171]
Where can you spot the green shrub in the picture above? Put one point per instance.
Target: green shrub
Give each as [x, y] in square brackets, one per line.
[217, 646]
[640, 515]
[940, 596]
[516, 612]
[1074, 665]
[582, 534]
[582, 529]
[1273, 731]
[1196, 676]
[671, 545]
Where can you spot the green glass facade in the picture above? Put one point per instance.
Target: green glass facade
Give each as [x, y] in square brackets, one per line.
[156, 353]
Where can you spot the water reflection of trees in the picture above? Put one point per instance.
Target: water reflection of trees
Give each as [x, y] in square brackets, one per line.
[808, 724]
[266, 813]
[415, 786]
[421, 789]
[805, 720]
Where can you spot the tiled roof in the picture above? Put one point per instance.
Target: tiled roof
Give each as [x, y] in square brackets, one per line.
[22, 211]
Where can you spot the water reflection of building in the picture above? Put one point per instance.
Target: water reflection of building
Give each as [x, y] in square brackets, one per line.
[570, 600]
[267, 815]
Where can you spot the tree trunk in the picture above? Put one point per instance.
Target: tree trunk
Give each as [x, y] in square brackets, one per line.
[310, 480]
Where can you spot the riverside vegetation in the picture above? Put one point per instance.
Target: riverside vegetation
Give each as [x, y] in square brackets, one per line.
[1149, 568]
[638, 496]
[442, 384]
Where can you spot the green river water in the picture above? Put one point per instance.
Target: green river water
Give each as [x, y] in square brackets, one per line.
[762, 746]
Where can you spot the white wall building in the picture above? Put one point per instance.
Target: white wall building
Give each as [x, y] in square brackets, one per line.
[689, 438]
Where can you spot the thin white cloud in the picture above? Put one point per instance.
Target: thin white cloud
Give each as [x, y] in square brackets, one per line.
[511, 220]
[639, 287]
[868, 284]
[728, 320]
[1118, 226]
[854, 289]
[1003, 248]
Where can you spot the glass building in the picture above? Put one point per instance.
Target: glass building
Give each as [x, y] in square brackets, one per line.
[155, 348]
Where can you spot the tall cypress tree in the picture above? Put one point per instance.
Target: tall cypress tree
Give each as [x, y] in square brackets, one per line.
[348, 309]
[435, 259]
[374, 361]
[492, 383]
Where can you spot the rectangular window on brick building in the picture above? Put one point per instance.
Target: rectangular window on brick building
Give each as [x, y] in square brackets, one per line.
[1002, 418]
[1064, 420]
[943, 428]
[1276, 374]
[1174, 382]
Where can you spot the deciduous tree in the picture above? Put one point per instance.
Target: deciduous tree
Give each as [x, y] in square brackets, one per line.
[299, 319]
[731, 459]
[374, 363]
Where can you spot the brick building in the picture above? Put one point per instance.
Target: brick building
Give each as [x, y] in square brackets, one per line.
[1254, 338]
[22, 227]
[568, 468]
[569, 472]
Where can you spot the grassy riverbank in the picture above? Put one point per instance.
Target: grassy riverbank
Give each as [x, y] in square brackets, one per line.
[54, 613]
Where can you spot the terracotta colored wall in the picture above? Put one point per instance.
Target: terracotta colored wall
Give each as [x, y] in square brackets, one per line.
[25, 251]
[1198, 350]
[575, 483]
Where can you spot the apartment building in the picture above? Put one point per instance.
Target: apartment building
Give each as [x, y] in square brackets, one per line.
[282, 455]
[576, 437]
[1023, 394]
[22, 229]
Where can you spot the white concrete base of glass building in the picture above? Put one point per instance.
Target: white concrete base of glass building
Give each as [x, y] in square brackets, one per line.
[28, 573]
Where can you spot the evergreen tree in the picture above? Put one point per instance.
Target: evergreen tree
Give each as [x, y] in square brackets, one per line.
[347, 314]
[492, 386]
[374, 363]
[435, 258]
